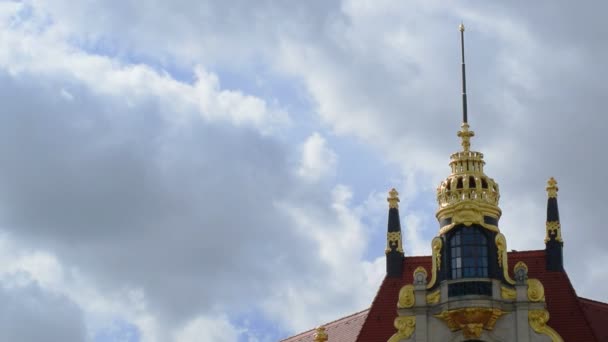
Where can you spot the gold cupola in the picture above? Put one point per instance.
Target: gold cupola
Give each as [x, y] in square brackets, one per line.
[467, 196]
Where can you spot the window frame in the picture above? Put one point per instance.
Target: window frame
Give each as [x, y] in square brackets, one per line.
[469, 253]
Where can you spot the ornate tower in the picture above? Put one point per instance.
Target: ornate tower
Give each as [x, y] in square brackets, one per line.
[469, 294]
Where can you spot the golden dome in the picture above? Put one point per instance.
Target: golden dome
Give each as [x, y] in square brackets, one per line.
[468, 196]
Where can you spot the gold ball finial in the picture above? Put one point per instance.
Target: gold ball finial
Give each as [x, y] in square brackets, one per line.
[461, 27]
[320, 334]
[393, 199]
[552, 188]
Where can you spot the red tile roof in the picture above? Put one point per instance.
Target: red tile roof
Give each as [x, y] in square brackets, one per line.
[574, 318]
[379, 323]
[566, 314]
[344, 329]
[597, 316]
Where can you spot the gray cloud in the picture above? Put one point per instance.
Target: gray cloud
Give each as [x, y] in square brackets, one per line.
[184, 211]
[30, 314]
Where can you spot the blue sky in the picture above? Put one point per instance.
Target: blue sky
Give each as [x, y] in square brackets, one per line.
[172, 170]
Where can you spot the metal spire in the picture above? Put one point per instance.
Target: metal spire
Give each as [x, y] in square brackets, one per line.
[464, 77]
[464, 133]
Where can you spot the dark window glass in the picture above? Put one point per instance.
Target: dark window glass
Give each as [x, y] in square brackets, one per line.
[469, 254]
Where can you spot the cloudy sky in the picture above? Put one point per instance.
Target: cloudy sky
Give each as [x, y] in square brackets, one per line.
[217, 170]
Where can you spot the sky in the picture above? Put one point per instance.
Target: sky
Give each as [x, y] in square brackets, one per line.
[218, 170]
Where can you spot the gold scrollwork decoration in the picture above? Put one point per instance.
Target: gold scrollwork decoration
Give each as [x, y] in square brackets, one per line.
[433, 297]
[503, 259]
[471, 320]
[536, 290]
[538, 321]
[437, 244]
[407, 299]
[508, 293]
[405, 325]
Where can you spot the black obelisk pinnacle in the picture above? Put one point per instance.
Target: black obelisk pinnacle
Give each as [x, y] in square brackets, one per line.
[554, 243]
[394, 245]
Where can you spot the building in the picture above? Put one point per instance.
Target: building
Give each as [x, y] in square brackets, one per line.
[471, 288]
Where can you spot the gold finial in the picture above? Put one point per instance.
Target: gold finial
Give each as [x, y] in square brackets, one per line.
[393, 199]
[461, 27]
[320, 334]
[466, 136]
[552, 187]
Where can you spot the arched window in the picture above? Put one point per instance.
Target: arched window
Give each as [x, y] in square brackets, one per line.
[469, 253]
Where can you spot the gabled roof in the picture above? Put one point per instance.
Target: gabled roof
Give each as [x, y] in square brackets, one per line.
[344, 329]
[574, 318]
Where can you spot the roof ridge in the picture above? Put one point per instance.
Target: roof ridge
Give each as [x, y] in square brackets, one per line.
[593, 301]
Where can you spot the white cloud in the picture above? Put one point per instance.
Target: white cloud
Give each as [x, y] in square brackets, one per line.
[210, 329]
[318, 160]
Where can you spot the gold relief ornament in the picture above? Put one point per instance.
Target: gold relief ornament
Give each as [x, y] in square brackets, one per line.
[554, 229]
[508, 293]
[433, 297]
[471, 320]
[393, 240]
[536, 290]
[407, 299]
[538, 321]
[436, 245]
[468, 213]
[405, 325]
[320, 334]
